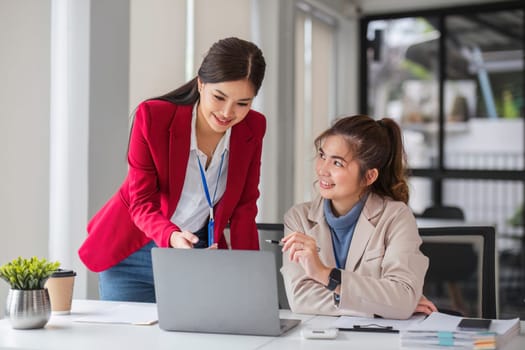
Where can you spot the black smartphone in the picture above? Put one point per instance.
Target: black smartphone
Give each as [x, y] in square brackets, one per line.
[474, 324]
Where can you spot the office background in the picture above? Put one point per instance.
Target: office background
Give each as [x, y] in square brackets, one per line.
[73, 71]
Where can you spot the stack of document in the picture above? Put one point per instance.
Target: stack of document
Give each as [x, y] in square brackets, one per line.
[440, 330]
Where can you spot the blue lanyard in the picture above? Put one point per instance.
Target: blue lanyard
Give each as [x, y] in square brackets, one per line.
[211, 222]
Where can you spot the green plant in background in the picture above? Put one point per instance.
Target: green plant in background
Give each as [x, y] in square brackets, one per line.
[517, 218]
[417, 70]
[28, 274]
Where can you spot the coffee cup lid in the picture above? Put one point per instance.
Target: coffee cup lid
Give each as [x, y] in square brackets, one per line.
[63, 273]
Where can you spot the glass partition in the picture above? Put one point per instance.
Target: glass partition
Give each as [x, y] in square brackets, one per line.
[454, 80]
[403, 81]
[483, 90]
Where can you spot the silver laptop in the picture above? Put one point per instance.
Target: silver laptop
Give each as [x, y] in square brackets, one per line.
[218, 291]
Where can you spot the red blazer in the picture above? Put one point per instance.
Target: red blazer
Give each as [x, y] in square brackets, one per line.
[158, 155]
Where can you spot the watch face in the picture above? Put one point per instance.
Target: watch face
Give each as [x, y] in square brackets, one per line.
[337, 275]
[335, 279]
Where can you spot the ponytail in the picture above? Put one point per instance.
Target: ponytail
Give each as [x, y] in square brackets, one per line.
[392, 178]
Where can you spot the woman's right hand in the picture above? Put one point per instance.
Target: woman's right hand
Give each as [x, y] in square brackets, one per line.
[184, 239]
[303, 250]
[425, 306]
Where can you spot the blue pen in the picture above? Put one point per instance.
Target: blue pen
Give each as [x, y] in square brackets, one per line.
[371, 328]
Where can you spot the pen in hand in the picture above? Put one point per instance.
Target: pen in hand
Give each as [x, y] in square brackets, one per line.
[280, 243]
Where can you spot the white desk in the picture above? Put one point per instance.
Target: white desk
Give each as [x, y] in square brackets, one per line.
[62, 333]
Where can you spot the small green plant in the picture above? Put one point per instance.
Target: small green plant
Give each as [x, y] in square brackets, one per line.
[517, 218]
[27, 274]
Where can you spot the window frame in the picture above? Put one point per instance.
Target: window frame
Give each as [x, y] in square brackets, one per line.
[439, 172]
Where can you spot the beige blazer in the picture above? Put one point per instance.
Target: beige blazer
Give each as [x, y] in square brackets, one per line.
[384, 271]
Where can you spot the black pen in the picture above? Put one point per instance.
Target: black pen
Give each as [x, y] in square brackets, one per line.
[365, 328]
[280, 243]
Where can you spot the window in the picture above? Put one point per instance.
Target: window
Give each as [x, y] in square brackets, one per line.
[315, 83]
[454, 80]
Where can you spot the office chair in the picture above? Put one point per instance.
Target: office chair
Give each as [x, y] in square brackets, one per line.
[443, 212]
[463, 258]
[449, 213]
[275, 232]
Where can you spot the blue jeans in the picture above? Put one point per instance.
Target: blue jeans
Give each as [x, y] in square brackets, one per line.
[132, 278]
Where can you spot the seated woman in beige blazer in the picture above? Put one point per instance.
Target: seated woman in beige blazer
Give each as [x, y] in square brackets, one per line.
[354, 249]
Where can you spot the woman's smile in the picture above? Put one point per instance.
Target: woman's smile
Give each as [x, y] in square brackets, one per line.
[224, 122]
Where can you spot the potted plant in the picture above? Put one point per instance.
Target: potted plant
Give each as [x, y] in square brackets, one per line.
[28, 305]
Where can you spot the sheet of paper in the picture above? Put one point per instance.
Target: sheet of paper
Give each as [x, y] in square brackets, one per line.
[350, 322]
[438, 321]
[136, 314]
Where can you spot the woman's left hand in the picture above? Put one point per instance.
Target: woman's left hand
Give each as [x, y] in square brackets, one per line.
[303, 250]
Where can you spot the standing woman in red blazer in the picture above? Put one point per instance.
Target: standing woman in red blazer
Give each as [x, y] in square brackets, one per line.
[194, 166]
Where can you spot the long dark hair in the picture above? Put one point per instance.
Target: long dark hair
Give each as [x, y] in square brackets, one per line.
[228, 59]
[375, 144]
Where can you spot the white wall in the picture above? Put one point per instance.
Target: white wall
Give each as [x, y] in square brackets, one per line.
[108, 107]
[24, 130]
[158, 40]
[157, 48]
[219, 19]
[69, 130]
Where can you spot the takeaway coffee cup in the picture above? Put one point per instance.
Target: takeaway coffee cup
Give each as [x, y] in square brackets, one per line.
[60, 288]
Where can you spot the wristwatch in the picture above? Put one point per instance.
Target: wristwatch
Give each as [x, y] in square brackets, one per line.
[334, 279]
